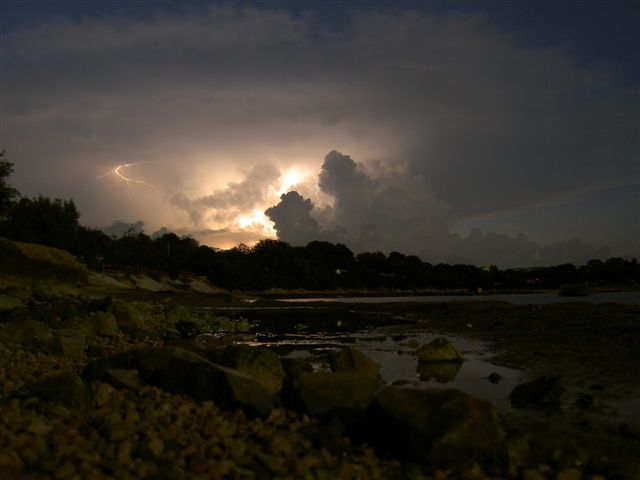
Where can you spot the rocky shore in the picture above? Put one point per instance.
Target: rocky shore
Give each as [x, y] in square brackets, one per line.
[95, 384]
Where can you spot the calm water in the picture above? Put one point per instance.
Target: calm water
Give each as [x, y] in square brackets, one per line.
[630, 298]
[393, 349]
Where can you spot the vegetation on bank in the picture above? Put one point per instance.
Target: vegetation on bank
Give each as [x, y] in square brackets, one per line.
[276, 264]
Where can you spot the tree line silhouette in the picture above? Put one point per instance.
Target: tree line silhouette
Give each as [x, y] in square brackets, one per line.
[275, 264]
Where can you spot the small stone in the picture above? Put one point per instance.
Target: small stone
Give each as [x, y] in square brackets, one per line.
[10, 461]
[569, 474]
[531, 474]
[102, 394]
[124, 451]
[39, 427]
[156, 445]
[495, 378]
[65, 470]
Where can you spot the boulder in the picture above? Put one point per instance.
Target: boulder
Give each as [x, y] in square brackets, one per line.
[180, 371]
[542, 393]
[349, 359]
[69, 343]
[445, 428]
[40, 262]
[8, 302]
[129, 316]
[439, 350]
[293, 367]
[100, 304]
[261, 363]
[144, 282]
[105, 324]
[203, 286]
[66, 389]
[83, 324]
[192, 327]
[340, 394]
[31, 333]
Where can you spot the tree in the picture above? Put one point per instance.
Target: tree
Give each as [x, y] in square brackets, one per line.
[41, 220]
[7, 192]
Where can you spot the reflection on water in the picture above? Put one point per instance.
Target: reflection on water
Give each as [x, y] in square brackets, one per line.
[394, 349]
[441, 372]
[631, 298]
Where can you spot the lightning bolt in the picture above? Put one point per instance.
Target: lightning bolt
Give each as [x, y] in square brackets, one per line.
[128, 180]
[317, 187]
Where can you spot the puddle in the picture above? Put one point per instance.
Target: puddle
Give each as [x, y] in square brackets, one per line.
[394, 351]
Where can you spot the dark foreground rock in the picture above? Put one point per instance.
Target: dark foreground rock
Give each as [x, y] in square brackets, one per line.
[261, 363]
[65, 389]
[342, 394]
[543, 393]
[443, 428]
[180, 371]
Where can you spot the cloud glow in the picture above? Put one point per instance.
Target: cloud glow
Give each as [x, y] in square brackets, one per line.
[447, 120]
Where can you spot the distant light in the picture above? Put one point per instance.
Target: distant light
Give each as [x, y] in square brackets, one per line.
[289, 179]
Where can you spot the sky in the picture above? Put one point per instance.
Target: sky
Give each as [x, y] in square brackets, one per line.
[494, 132]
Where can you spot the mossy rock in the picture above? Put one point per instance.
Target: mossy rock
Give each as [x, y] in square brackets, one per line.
[439, 350]
[39, 262]
[340, 394]
[349, 359]
[261, 363]
[65, 389]
[179, 371]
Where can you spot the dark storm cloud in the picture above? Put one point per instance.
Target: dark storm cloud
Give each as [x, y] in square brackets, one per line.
[293, 221]
[449, 118]
[383, 214]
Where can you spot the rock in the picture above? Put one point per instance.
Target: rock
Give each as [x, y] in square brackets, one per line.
[261, 363]
[40, 262]
[105, 324]
[102, 280]
[441, 372]
[192, 327]
[349, 359]
[69, 343]
[144, 282]
[293, 367]
[203, 286]
[101, 304]
[84, 325]
[180, 371]
[544, 392]
[121, 377]
[30, 333]
[66, 307]
[129, 316]
[66, 389]
[494, 378]
[9, 303]
[445, 428]
[439, 350]
[335, 394]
